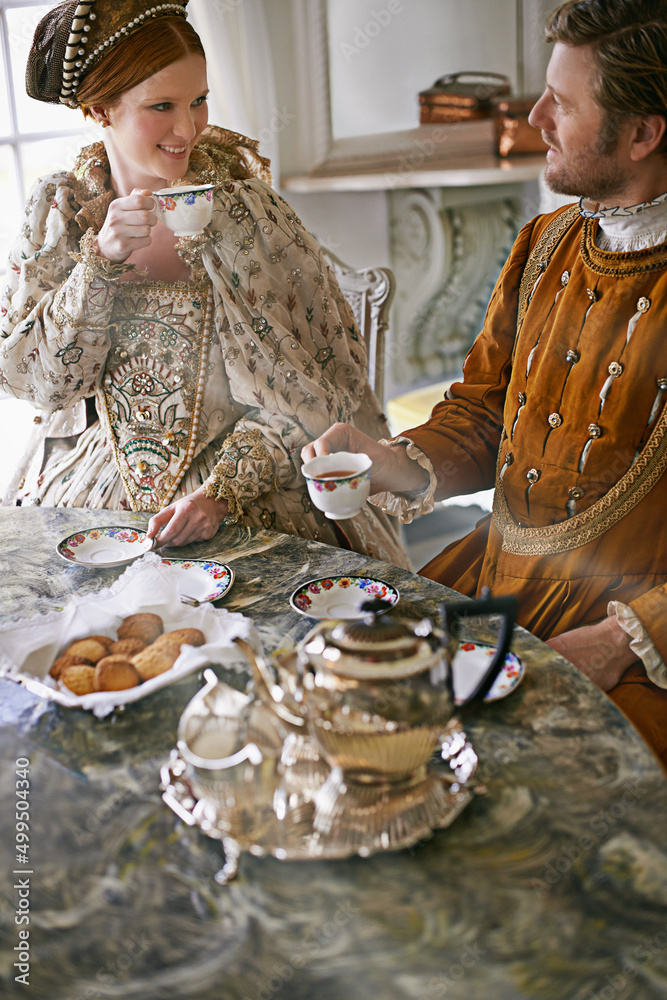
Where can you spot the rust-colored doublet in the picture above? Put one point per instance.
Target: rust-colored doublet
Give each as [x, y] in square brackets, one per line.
[562, 418]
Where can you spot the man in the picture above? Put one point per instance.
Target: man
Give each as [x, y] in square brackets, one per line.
[562, 403]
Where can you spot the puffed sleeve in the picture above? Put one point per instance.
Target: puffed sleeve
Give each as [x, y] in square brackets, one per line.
[292, 351]
[55, 309]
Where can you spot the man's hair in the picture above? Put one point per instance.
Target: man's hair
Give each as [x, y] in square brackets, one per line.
[629, 40]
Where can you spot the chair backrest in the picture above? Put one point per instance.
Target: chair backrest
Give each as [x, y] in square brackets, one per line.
[370, 292]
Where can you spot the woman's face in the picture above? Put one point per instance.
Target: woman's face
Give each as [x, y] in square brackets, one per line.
[156, 124]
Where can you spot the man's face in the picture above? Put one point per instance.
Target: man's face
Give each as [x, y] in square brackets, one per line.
[579, 160]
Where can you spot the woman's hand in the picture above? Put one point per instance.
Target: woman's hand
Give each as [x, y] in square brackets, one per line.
[127, 226]
[193, 518]
[392, 470]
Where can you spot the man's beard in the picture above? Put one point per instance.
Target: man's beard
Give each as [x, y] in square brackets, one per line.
[595, 174]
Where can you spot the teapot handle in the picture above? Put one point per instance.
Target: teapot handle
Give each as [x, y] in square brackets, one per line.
[270, 692]
[505, 606]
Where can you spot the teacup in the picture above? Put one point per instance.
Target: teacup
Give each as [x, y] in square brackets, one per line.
[185, 210]
[339, 484]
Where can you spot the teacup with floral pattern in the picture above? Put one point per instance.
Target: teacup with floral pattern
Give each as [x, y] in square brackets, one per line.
[185, 210]
[339, 484]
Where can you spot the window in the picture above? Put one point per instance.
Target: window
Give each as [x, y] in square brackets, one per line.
[35, 138]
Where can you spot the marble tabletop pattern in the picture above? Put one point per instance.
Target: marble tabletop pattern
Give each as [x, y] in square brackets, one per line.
[551, 885]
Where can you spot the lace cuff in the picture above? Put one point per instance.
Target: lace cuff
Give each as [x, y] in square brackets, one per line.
[244, 470]
[640, 643]
[412, 503]
[95, 266]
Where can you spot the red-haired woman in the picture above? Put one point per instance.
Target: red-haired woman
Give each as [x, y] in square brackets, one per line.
[179, 377]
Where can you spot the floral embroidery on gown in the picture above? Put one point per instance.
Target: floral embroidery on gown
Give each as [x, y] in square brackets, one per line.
[219, 381]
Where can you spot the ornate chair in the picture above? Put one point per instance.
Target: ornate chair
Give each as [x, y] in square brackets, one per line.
[369, 291]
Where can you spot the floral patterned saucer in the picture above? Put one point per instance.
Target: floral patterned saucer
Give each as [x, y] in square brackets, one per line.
[340, 596]
[107, 546]
[203, 579]
[470, 663]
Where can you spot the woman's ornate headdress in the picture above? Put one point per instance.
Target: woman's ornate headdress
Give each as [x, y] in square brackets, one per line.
[74, 36]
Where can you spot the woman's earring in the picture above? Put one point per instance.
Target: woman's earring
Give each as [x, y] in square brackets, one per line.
[104, 123]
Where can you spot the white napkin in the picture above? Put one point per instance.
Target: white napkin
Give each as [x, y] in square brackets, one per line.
[29, 647]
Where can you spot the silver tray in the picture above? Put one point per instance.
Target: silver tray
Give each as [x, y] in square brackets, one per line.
[352, 821]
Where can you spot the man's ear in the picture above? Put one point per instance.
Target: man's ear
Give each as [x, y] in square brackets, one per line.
[648, 136]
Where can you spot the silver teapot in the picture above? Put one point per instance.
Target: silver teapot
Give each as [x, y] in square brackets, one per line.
[376, 694]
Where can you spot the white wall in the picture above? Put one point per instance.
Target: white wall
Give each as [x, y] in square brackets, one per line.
[382, 54]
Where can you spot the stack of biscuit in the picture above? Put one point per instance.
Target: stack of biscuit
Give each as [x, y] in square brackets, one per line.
[141, 650]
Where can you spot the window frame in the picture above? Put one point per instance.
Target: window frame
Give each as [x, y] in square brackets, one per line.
[14, 139]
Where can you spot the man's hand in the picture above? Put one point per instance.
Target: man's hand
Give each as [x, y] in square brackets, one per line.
[601, 651]
[193, 518]
[392, 470]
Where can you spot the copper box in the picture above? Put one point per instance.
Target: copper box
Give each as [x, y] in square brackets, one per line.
[514, 135]
[460, 97]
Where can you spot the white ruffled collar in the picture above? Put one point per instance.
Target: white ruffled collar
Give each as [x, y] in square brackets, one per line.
[637, 227]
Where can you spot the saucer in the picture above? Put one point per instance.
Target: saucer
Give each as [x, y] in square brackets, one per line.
[340, 596]
[203, 579]
[107, 546]
[470, 662]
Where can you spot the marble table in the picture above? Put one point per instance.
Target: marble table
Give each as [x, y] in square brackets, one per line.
[550, 886]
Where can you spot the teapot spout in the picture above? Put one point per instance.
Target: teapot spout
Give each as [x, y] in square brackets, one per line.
[268, 690]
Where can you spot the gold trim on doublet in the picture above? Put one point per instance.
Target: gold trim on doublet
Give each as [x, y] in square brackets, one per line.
[640, 479]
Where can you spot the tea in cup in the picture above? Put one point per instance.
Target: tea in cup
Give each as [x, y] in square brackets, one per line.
[185, 210]
[339, 484]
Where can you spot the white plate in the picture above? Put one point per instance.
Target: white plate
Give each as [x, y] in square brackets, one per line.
[470, 662]
[340, 596]
[107, 546]
[203, 579]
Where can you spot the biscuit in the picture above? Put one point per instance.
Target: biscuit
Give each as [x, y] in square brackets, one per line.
[115, 673]
[144, 625]
[106, 640]
[79, 678]
[184, 636]
[126, 647]
[66, 660]
[156, 659]
[92, 649]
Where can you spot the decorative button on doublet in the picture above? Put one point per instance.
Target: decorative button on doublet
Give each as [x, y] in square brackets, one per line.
[522, 398]
[564, 278]
[573, 356]
[643, 304]
[591, 294]
[509, 458]
[615, 369]
[662, 383]
[555, 420]
[594, 430]
[575, 493]
[532, 475]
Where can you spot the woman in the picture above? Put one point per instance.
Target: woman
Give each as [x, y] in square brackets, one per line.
[211, 360]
